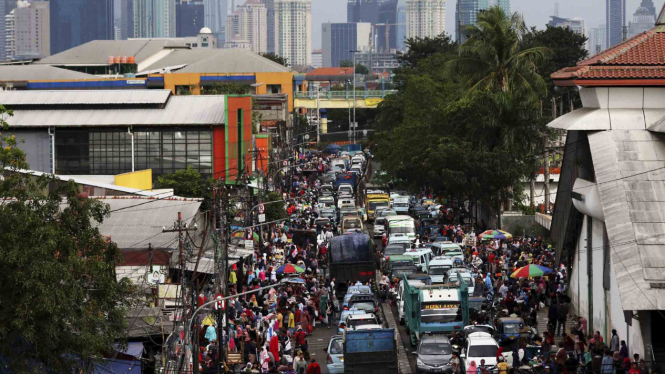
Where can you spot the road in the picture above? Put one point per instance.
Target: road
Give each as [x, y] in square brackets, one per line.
[318, 341]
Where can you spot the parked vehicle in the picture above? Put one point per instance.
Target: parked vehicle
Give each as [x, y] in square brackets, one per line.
[370, 352]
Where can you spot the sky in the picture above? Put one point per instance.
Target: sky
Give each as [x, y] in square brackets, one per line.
[536, 12]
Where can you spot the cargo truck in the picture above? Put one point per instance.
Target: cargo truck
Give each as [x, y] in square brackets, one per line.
[439, 309]
[373, 199]
[370, 352]
[352, 258]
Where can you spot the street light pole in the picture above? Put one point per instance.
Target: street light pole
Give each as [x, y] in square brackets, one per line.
[354, 124]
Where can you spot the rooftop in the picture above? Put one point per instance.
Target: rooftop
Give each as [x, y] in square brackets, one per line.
[38, 72]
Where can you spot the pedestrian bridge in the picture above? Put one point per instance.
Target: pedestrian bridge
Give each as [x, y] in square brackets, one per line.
[365, 99]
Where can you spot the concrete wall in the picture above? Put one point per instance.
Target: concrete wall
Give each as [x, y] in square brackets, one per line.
[135, 274]
[606, 304]
[517, 225]
[37, 146]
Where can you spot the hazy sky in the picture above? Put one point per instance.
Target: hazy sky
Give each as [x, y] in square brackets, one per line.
[536, 12]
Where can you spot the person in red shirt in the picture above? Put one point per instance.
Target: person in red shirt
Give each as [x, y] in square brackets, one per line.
[634, 369]
[313, 367]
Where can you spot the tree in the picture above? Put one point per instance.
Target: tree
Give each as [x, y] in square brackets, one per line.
[187, 183]
[346, 64]
[62, 304]
[491, 57]
[360, 68]
[419, 49]
[227, 89]
[275, 211]
[276, 58]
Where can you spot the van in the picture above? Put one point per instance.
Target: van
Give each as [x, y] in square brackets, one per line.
[351, 222]
[438, 269]
[397, 265]
[401, 224]
[421, 257]
[346, 203]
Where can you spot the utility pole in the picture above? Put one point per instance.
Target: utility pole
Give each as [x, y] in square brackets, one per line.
[546, 163]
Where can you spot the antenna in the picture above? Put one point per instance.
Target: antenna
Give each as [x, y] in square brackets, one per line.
[556, 9]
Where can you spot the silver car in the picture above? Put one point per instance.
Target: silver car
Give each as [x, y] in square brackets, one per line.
[335, 360]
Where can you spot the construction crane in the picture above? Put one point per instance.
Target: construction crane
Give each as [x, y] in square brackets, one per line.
[387, 26]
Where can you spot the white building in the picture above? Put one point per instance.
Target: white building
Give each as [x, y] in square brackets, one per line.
[249, 24]
[293, 31]
[317, 58]
[27, 30]
[643, 20]
[425, 18]
[576, 24]
[154, 19]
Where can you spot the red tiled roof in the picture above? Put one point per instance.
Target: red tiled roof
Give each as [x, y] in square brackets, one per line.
[142, 257]
[332, 71]
[640, 57]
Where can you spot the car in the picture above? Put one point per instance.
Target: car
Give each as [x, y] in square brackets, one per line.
[354, 321]
[455, 255]
[400, 238]
[335, 351]
[480, 346]
[327, 200]
[364, 302]
[330, 213]
[434, 354]
[343, 316]
[345, 188]
[394, 250]
[466, 278]
[385, 212]
[346, 202]
[379, 226]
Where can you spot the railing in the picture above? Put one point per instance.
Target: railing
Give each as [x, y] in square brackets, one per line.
[345, 95]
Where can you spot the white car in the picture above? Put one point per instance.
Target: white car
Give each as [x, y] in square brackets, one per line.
[345, 188]
[480, 346]
[399, 238]
[466, 278]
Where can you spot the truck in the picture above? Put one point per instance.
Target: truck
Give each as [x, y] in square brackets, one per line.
[370, 351]
[346, 178]
[352, 257]
[401, 205]
[373, 199]
[441, 309]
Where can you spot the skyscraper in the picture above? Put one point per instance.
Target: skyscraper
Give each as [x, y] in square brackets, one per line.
[597, 40]
[190, 17]
[270, 11]
[466, 13]
[644, 19]
[248, 23]
[126, 19]
[381, 14]
[615, 18]
[401, 28]
[575, 24]
[340, 38]
[215, 18]
[154, 19]
[75, 22]
[425, 18]
[505, 5]
[293, 30]
[28, 30]
[6, 6]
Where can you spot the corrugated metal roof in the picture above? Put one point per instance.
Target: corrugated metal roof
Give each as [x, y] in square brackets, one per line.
[38, 72]
[218, 61]
[101, 97]
[179, 110]
[97, 52]
[135, 222]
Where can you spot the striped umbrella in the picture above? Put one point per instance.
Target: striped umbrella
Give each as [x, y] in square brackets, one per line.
[530, 271]
[289, 269]
[495, 234]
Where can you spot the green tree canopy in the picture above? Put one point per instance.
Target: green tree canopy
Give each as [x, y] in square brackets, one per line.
[276, 58]
[61, 303]
[187, 183]
[360, 69]
[492, 57]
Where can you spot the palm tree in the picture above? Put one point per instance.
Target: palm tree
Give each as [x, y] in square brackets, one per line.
[491, 58]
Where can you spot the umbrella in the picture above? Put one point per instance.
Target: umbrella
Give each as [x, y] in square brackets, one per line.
[289, 269]
[295, 280]
[530, 271]
[495, 234]
[332, 148]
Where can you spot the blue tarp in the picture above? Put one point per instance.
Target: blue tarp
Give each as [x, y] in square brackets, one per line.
[117, 366]
[360, 341]
[350, 248]
[134, 349]
[332, 148]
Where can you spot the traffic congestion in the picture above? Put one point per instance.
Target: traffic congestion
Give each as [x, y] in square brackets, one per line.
[361, 278]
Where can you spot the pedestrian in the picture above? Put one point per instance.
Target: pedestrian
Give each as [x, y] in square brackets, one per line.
[502, 366]
[614, 341]
[300, 364]
[607, 364]
[313, 367]
[552, 318]
[562, 314]
[472, 368]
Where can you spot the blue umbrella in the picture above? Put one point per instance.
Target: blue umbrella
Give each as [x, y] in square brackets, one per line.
[332, 148]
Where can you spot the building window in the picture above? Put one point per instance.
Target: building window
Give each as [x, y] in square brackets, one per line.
[82, 152]
[274, 88]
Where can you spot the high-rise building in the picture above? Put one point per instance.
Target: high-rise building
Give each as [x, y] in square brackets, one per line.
[425, 18]
[597, 40]
[615, 18]
[293, 31]
[466, 13]
[30, 32]
[505, 5]
[190, 17]
[270, 10]
[340, 38]
[249, 23]
[381, 14]
[154, 19]
[317, 58]
[648, 4]
[216, 12]
[575, 24]
[6, 6]
[10, 37]
[643, 20]
[126, 19]
[401, 28]
[75, 22]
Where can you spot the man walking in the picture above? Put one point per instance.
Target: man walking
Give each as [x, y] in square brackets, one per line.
[562, 314]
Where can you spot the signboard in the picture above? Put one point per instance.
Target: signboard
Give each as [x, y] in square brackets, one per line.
[158, 275]
[262, 208]
[135, 81]
[285, 163]
[262, 218]
[440, 306]
[168, 291]
[249, 244]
